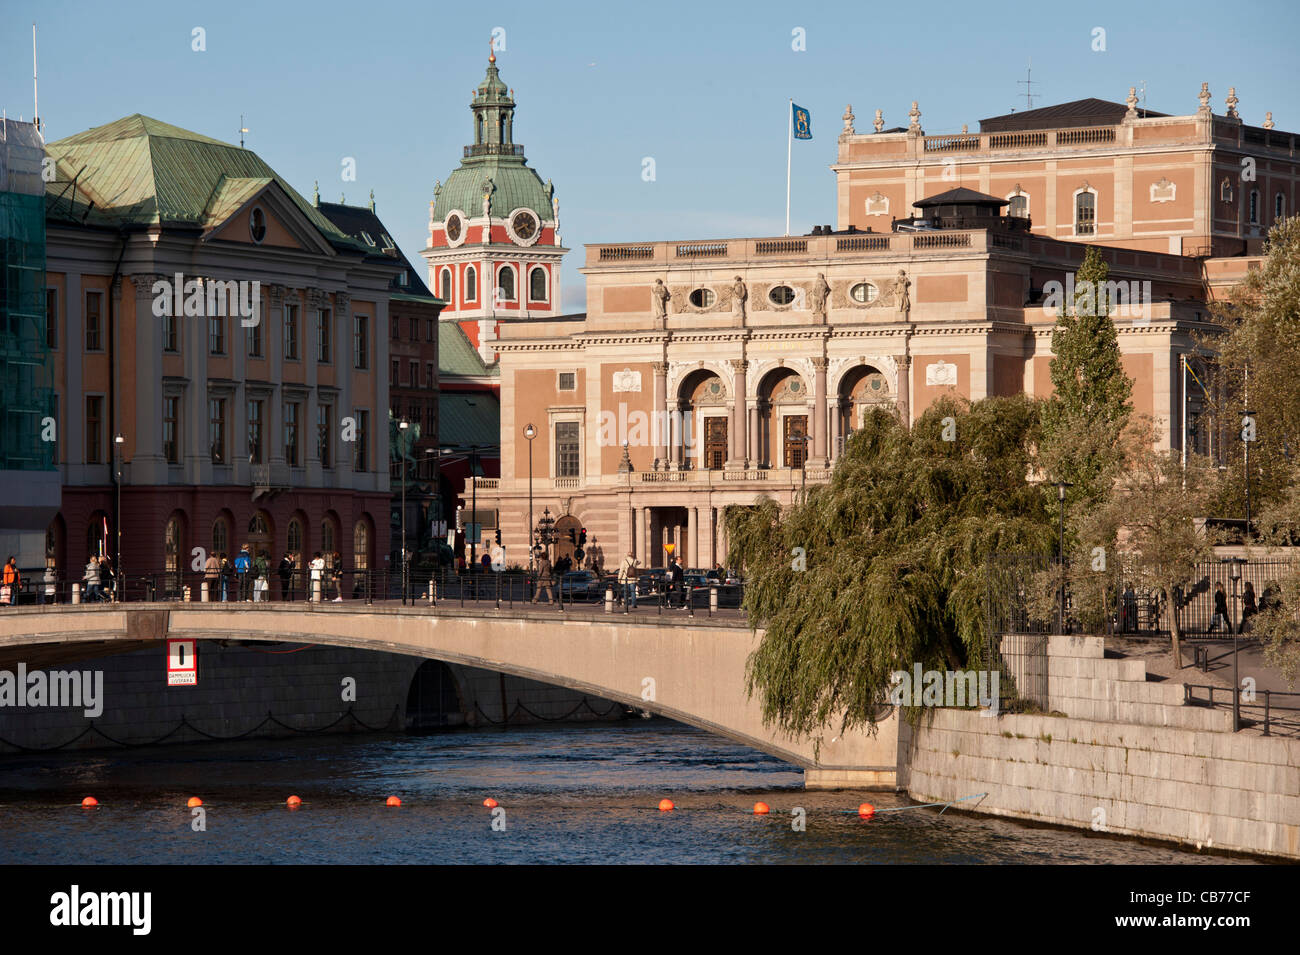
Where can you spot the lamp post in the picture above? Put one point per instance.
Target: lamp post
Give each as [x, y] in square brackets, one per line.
[118, 442]
[401, 459]
[1235, 572]
[530, 433]
[473, 543]
[1061, 487]
[1247, 439]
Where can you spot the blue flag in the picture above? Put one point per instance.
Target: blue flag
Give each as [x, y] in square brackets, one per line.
[802, 123]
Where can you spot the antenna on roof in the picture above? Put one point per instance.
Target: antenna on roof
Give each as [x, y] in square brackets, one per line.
[242, 129]
[36, 101]
[1144, 99]
[1028, 84]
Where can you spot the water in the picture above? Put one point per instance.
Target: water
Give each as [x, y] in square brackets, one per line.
[572, 794]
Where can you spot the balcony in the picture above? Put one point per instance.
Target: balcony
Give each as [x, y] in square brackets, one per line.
[269, 479]
[494, 149]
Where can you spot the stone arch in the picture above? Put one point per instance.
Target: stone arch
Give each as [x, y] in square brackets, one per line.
[704, 402]
[784, 420]
[860, 388]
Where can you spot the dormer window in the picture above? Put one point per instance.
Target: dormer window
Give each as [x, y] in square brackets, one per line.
[369, 241]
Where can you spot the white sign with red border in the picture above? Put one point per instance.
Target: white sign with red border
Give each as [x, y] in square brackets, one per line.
[182, 663]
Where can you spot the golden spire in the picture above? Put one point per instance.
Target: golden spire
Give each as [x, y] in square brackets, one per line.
[492, 53]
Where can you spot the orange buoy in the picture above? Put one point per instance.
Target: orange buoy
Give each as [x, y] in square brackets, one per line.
[393, 801]
[194, 801]
[761, 809]
[90, 802]
[490, 802]
[666, 805]
[866, 810]
[293, 802]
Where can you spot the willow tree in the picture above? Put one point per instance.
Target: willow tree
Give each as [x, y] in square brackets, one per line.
[885, 566]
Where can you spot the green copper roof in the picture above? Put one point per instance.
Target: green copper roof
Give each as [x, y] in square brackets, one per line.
[466, 420]
[140, 171]
[457, 356]
[516, 186]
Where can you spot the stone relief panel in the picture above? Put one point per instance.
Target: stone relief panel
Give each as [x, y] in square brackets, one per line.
[682, 299]
[627, 380]
[941, 373]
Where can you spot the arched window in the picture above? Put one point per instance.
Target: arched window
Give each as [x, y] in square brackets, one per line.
[220, 536]
[537, 285]
[329, 535]
[506, 283]
[97, 535]
[446, 284]
[1085, 213]
[1019, 207]
[1279, 206]
[361, 545]
[478, 136]
[172, 546]
[294, 543]
[471, 284]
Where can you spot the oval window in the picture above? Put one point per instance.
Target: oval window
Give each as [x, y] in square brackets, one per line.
[781, 295]
[257, 225]
[863, 292]
[703, 298]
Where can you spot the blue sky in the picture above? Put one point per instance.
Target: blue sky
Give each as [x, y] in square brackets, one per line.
[701, 88]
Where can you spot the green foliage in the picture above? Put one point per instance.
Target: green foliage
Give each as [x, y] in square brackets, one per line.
[895, 549]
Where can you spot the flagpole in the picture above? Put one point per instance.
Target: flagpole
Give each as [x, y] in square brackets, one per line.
[1184, 385]
[789, 140]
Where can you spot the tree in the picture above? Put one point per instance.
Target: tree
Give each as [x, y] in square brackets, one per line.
[1277, 624]
[885, 566]
[1089, 407]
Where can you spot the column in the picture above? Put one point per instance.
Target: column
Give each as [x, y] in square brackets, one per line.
[691, 556]
[147, 463]
[754, 435]
[737, 428]
[904, 403]
[659, 417]
[635, 537]
[647, 536]
[835, 430]
[819, 458]
[676, 436]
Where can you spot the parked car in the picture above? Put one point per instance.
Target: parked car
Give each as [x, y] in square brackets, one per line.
[581, 585]
[651, 583]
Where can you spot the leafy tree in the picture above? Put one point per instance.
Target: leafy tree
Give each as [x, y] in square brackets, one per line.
[885, 566]
[1089, 407]
[1277, 624]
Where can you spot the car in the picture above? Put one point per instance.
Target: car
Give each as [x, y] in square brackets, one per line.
[651, 583]
[581, 585]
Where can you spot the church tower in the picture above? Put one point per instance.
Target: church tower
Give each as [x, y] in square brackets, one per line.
[494, 242]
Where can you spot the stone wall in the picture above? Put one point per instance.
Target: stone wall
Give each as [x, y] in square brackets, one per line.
[1127, 758]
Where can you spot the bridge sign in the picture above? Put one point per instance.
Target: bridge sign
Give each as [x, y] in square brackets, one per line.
[182, 663]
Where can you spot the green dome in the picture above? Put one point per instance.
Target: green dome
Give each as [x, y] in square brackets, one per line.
[517, 186]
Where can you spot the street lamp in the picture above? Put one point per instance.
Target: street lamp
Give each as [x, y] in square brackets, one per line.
[1235, 572]
[473, 505]
[118, 441]
[530, 433]
[1061, 487]
[402, 426]
[1247, 439]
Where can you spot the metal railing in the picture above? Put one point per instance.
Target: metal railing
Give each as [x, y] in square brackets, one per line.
[1272, 714]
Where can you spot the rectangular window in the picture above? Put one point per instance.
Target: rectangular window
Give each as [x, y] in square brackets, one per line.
[216, 335]
[324, 429]
[430, 376]
[566, 449]
[392, 327]
[256, 432]
[430, 329]
[395, 372]
[94, 429]
[1085, 214]
[414, 368]
[170, 342]
[361, 455]
[253, 340]
[568, 381]
[324, 326]
[361, 341]
[51, 318]
[292, 421]
[414, 329]
[1254, 207]
[217, 430]
[94, 318]
[171, 425]
[291, 332]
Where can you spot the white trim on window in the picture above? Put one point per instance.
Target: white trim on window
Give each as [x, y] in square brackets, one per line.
[1095, 207]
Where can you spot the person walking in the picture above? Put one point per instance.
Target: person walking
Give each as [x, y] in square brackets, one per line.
[336, 576]
[261, 567]
[544, 573]
[1248, 608]
[91, 577]
[627, 580]
[676, 579]
[1220, 609]
[224, 570]
[12, 581]
[243, 572]
[285, 572]
[212, 575]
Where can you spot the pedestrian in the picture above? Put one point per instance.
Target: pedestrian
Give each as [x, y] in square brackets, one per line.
[212, 575]
[91, 577]
[243, 571]
[12, 581]
[544, 582]
[676, 578]
[317, 566]
[51, 583]
[107, 580]
[1130, 609]
[1220, 610]
[336, 575]
[285, 571]
[627, 578]
[261, 566]
[224, 569]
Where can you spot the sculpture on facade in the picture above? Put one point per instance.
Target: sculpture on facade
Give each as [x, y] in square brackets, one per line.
[817, 298]
[879, 122]
[903, 300]
[489, 187]
[659, 296]
[739, 295]
[848, 120]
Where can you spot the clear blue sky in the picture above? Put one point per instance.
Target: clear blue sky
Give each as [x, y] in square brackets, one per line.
[700, 87]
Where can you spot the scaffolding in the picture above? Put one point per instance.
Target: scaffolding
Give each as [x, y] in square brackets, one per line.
[27, 437]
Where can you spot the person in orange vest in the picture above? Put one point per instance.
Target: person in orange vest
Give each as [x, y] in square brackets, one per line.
[12, 581]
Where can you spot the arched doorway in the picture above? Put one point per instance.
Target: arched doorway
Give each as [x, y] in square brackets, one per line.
[564, 546]
[56, 547]
[703, 401]
[329, 537]
[863, 387]
[782, 419]
[261, 535]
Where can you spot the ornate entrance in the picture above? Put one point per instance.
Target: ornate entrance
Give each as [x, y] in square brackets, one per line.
[794, 439]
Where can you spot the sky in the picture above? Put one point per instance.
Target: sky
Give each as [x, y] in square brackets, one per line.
[702, 89]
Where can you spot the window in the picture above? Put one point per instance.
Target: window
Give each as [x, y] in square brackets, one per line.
[863, 293]
[324, 429]
[1225, 190]
[324, 335]
[1279, 209]
[781, 295]
[396, 372]
[1254, 207]
[446, 284]
[292, 423]
[506, 283]
[1019, 207]
[256, 431]
[94, 305]
[169, 335]
[294, 540]
[537, 285]
[291, 332]
[51, 318]
[430, 376]
[257, 225]
[94, 429]
[568, 381]
[471, 284]
[392, 329]
[361, 546]
[217, 430]
[430, 330]
[702, 297]
[566, 449]
[415, 374]
[360, 341]
[216, 335]
[171, 424]
[414, 329]
[361, 440]
[172, 547]
[253, 339]
[327, 536]
[1085, 213]
[220, 537]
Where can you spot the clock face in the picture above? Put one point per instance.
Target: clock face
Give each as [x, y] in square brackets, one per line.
[524, 225]
[452, 227]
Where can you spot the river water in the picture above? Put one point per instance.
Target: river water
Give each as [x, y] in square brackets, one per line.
[571, 794]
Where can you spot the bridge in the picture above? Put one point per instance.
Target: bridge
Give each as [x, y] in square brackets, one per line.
[685, 669]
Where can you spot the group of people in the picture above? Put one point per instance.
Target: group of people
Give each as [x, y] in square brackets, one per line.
[627, 577]
[101, 583]
[324, 581]
[1268, 600]
[247, 577]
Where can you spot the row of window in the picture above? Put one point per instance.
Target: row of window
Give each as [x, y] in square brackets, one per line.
[258, 537]
[506, 284]
[426, 416]
[413, 329]
[413, 376]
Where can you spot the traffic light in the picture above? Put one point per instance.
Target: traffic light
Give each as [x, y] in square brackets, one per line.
[582, 537]
[498, 535]
[573, 537]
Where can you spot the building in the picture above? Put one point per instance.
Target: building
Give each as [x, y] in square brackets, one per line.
[232, 336]
[709, 372]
